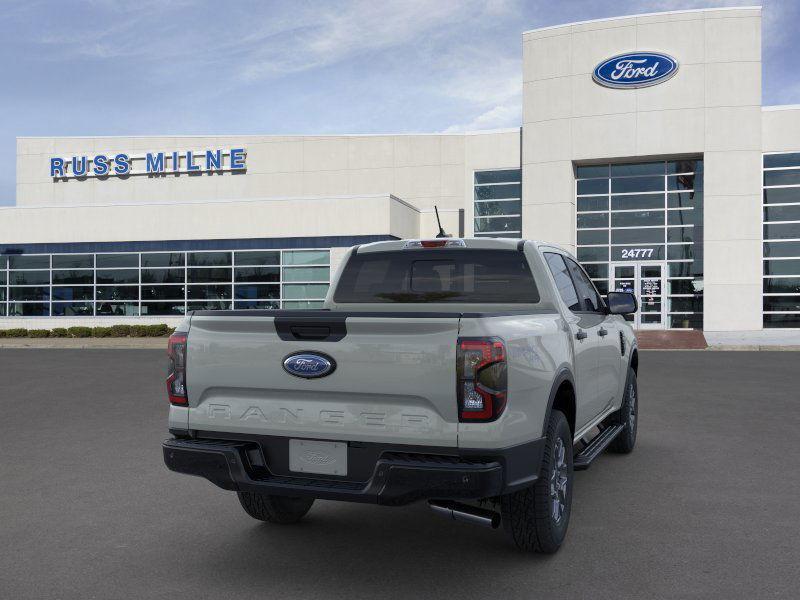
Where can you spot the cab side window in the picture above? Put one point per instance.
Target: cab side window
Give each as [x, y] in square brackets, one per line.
[566, 289]
[587, 293]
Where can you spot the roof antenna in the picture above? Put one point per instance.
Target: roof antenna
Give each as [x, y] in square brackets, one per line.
[441, 233]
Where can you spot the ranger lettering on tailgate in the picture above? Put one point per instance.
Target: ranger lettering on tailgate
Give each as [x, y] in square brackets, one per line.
[285, 416]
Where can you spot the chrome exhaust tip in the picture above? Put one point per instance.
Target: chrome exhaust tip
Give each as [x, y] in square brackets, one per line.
[465, 513]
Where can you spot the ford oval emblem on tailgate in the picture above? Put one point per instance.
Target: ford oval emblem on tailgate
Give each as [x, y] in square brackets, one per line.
[309, 365]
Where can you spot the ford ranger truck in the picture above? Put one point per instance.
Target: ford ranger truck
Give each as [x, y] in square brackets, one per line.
[474, 374]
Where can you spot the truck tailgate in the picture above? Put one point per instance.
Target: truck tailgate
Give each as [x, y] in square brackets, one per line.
[394, 380]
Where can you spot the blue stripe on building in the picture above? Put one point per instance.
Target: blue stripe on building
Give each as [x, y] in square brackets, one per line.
[190, 245]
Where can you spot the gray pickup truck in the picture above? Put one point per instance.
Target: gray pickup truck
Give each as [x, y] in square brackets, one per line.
[476, 374]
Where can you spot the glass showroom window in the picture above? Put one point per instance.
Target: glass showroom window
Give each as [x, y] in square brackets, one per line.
[781, 300]
[3, 285]
[498, 203]
[73, 289]
[130, 284]
[650, 212]
[28, 285]
[303, 272]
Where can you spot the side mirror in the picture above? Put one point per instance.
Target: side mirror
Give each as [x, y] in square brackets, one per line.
[621, 303]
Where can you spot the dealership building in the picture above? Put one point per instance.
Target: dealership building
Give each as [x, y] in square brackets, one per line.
[644, 149]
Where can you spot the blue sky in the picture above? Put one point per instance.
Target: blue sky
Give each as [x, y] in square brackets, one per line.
[151, 67]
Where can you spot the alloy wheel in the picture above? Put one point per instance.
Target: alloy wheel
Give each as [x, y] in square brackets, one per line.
[631, 407]
[558, 481]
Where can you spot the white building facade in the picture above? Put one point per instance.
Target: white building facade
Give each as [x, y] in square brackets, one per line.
[661, 170]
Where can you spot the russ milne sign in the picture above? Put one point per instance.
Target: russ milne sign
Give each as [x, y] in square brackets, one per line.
[151, 163]
[635, 70]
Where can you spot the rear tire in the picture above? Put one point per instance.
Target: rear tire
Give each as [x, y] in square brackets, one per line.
[274, 509]
[628, 415]
[537, 517]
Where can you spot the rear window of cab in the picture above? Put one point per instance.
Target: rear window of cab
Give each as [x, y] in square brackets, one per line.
[466, 275]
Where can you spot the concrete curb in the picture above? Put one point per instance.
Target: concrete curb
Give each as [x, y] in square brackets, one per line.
[755, 347]
[729, 348]
[85, 343]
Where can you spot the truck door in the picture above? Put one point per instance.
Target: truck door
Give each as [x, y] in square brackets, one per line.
[584, 327]
[607, 335]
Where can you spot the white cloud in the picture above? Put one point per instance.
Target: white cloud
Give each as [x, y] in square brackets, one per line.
[785, 94]
[107, 29]
[490, 90]
[777, 14]
[340, 32]
[497, 117]
[445, 42]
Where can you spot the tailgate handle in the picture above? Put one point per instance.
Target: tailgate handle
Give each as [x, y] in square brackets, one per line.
[300, 329]
[310, 332]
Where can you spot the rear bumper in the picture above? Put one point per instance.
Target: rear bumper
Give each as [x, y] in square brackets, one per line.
[398, 477]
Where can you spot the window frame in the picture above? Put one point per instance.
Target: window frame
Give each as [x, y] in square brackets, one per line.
[684, 210]
[772, 319]
[475, 201]
[569, 276]
[601, 307]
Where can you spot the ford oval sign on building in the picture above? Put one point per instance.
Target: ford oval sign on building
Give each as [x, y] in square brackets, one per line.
[635, 70]
[309, 365]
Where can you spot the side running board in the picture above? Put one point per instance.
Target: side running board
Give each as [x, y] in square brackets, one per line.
[584, 458]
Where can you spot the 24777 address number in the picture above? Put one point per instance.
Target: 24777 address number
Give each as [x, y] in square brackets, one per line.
[637, 252]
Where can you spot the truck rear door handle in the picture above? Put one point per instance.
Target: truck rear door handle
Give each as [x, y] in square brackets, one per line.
[310, 332]
[312, 328]
[602, 332]
[581, 335]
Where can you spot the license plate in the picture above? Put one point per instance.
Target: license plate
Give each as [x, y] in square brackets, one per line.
[323, 458]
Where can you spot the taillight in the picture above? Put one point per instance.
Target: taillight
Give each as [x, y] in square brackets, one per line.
[482, 382]
[176, 373]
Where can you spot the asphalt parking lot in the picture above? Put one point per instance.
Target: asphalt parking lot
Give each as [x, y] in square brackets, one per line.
[708, 505]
